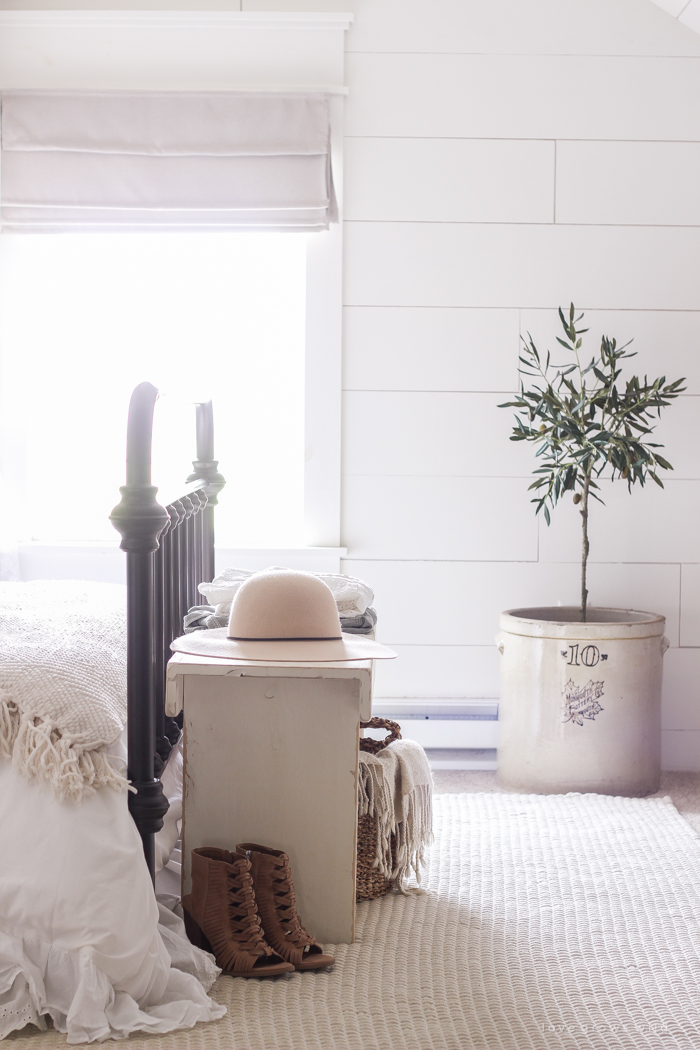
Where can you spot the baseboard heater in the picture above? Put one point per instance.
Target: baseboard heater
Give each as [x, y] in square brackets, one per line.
[450, 724]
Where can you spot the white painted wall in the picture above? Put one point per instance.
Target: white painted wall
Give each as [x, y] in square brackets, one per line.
[686, 11]
[503, 157]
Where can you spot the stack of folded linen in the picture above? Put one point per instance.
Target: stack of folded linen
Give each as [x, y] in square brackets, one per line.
[353, 598]
[202, 618]
[363, 623]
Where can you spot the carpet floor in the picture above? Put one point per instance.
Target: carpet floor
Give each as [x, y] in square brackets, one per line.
[682, 788]
[553, 921]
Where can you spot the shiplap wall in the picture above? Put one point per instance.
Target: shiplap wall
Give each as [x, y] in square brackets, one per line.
[503, 158]
[686, 11]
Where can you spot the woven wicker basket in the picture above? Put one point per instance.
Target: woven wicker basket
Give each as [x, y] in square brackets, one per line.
[370, 883]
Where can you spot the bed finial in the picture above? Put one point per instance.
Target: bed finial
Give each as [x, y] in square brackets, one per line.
[205, 466]
[206, 470]
[140, 519]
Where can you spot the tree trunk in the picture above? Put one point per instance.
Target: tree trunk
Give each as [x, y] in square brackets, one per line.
[584, 551]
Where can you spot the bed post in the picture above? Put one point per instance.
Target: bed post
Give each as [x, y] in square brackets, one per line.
[140, 519]
[205, 469]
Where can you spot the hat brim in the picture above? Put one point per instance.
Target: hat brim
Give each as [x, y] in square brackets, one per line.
[335, 650]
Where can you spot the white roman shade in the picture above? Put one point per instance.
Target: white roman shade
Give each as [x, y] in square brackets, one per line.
[93, 161]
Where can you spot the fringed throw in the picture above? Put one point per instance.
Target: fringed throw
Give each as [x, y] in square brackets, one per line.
[63, 682]
[396, 787]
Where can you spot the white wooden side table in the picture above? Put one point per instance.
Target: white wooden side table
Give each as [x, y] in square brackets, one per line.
[271, 756]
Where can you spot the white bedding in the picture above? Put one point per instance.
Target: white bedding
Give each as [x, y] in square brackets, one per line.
[63, 681]
[82, 938]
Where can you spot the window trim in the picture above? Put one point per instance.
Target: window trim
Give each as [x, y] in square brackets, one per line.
[231, 50]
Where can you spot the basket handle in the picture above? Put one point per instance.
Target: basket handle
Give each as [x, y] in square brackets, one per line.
[367, 743]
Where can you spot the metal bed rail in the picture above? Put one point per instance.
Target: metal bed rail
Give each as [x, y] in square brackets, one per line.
[169, 551]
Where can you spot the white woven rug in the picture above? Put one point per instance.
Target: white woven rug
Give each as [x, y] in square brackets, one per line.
[550, 921]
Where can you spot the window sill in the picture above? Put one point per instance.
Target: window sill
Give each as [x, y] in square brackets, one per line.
[83, 560]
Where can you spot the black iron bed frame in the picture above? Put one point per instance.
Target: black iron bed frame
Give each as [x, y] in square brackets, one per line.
[169, 550]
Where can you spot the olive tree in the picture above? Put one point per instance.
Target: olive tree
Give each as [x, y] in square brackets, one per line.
[584, 419]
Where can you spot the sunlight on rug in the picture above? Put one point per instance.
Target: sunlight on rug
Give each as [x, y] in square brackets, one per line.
[560, 921]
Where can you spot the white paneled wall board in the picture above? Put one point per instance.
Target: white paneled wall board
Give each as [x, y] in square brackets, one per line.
[681, 689]
[451, 233]
[672, 7]
[646, 525]
[690, 605]
[572, 27]
[643, 183]
[560, 27]
[512, 96]
[439, 434]
[306, 559]
[629, 585]
[690, 16]
[464, 264]
[678, 431]
[421, 348]
[666, 342]
[459, 603]
[425, 671]
[471, 519]
[452, 180]
[680, 750]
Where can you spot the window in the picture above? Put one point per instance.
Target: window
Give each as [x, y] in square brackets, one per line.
[84, 318]
[172, 51]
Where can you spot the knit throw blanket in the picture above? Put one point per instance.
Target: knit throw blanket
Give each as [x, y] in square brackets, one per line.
[63, 682]
[396, 787]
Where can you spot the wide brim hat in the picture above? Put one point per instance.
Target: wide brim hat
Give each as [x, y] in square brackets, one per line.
[283, 616]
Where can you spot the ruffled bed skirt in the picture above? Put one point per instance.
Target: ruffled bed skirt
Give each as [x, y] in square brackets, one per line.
[37, 979]
[82, 938]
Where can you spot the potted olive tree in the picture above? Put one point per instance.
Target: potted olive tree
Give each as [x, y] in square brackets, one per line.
[580, 685]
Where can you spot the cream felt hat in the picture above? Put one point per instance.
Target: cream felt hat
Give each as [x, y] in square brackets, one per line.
[283, 616]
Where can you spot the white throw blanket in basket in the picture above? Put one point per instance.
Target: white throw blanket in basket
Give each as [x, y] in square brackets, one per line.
[396, 787]
[63, 682]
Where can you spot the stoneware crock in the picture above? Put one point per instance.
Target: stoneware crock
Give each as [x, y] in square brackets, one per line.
[580, 706]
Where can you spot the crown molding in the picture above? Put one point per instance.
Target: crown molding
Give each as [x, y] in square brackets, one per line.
[173, 50]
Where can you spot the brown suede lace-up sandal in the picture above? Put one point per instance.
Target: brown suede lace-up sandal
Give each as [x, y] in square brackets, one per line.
[222, 918]
[274, 893]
